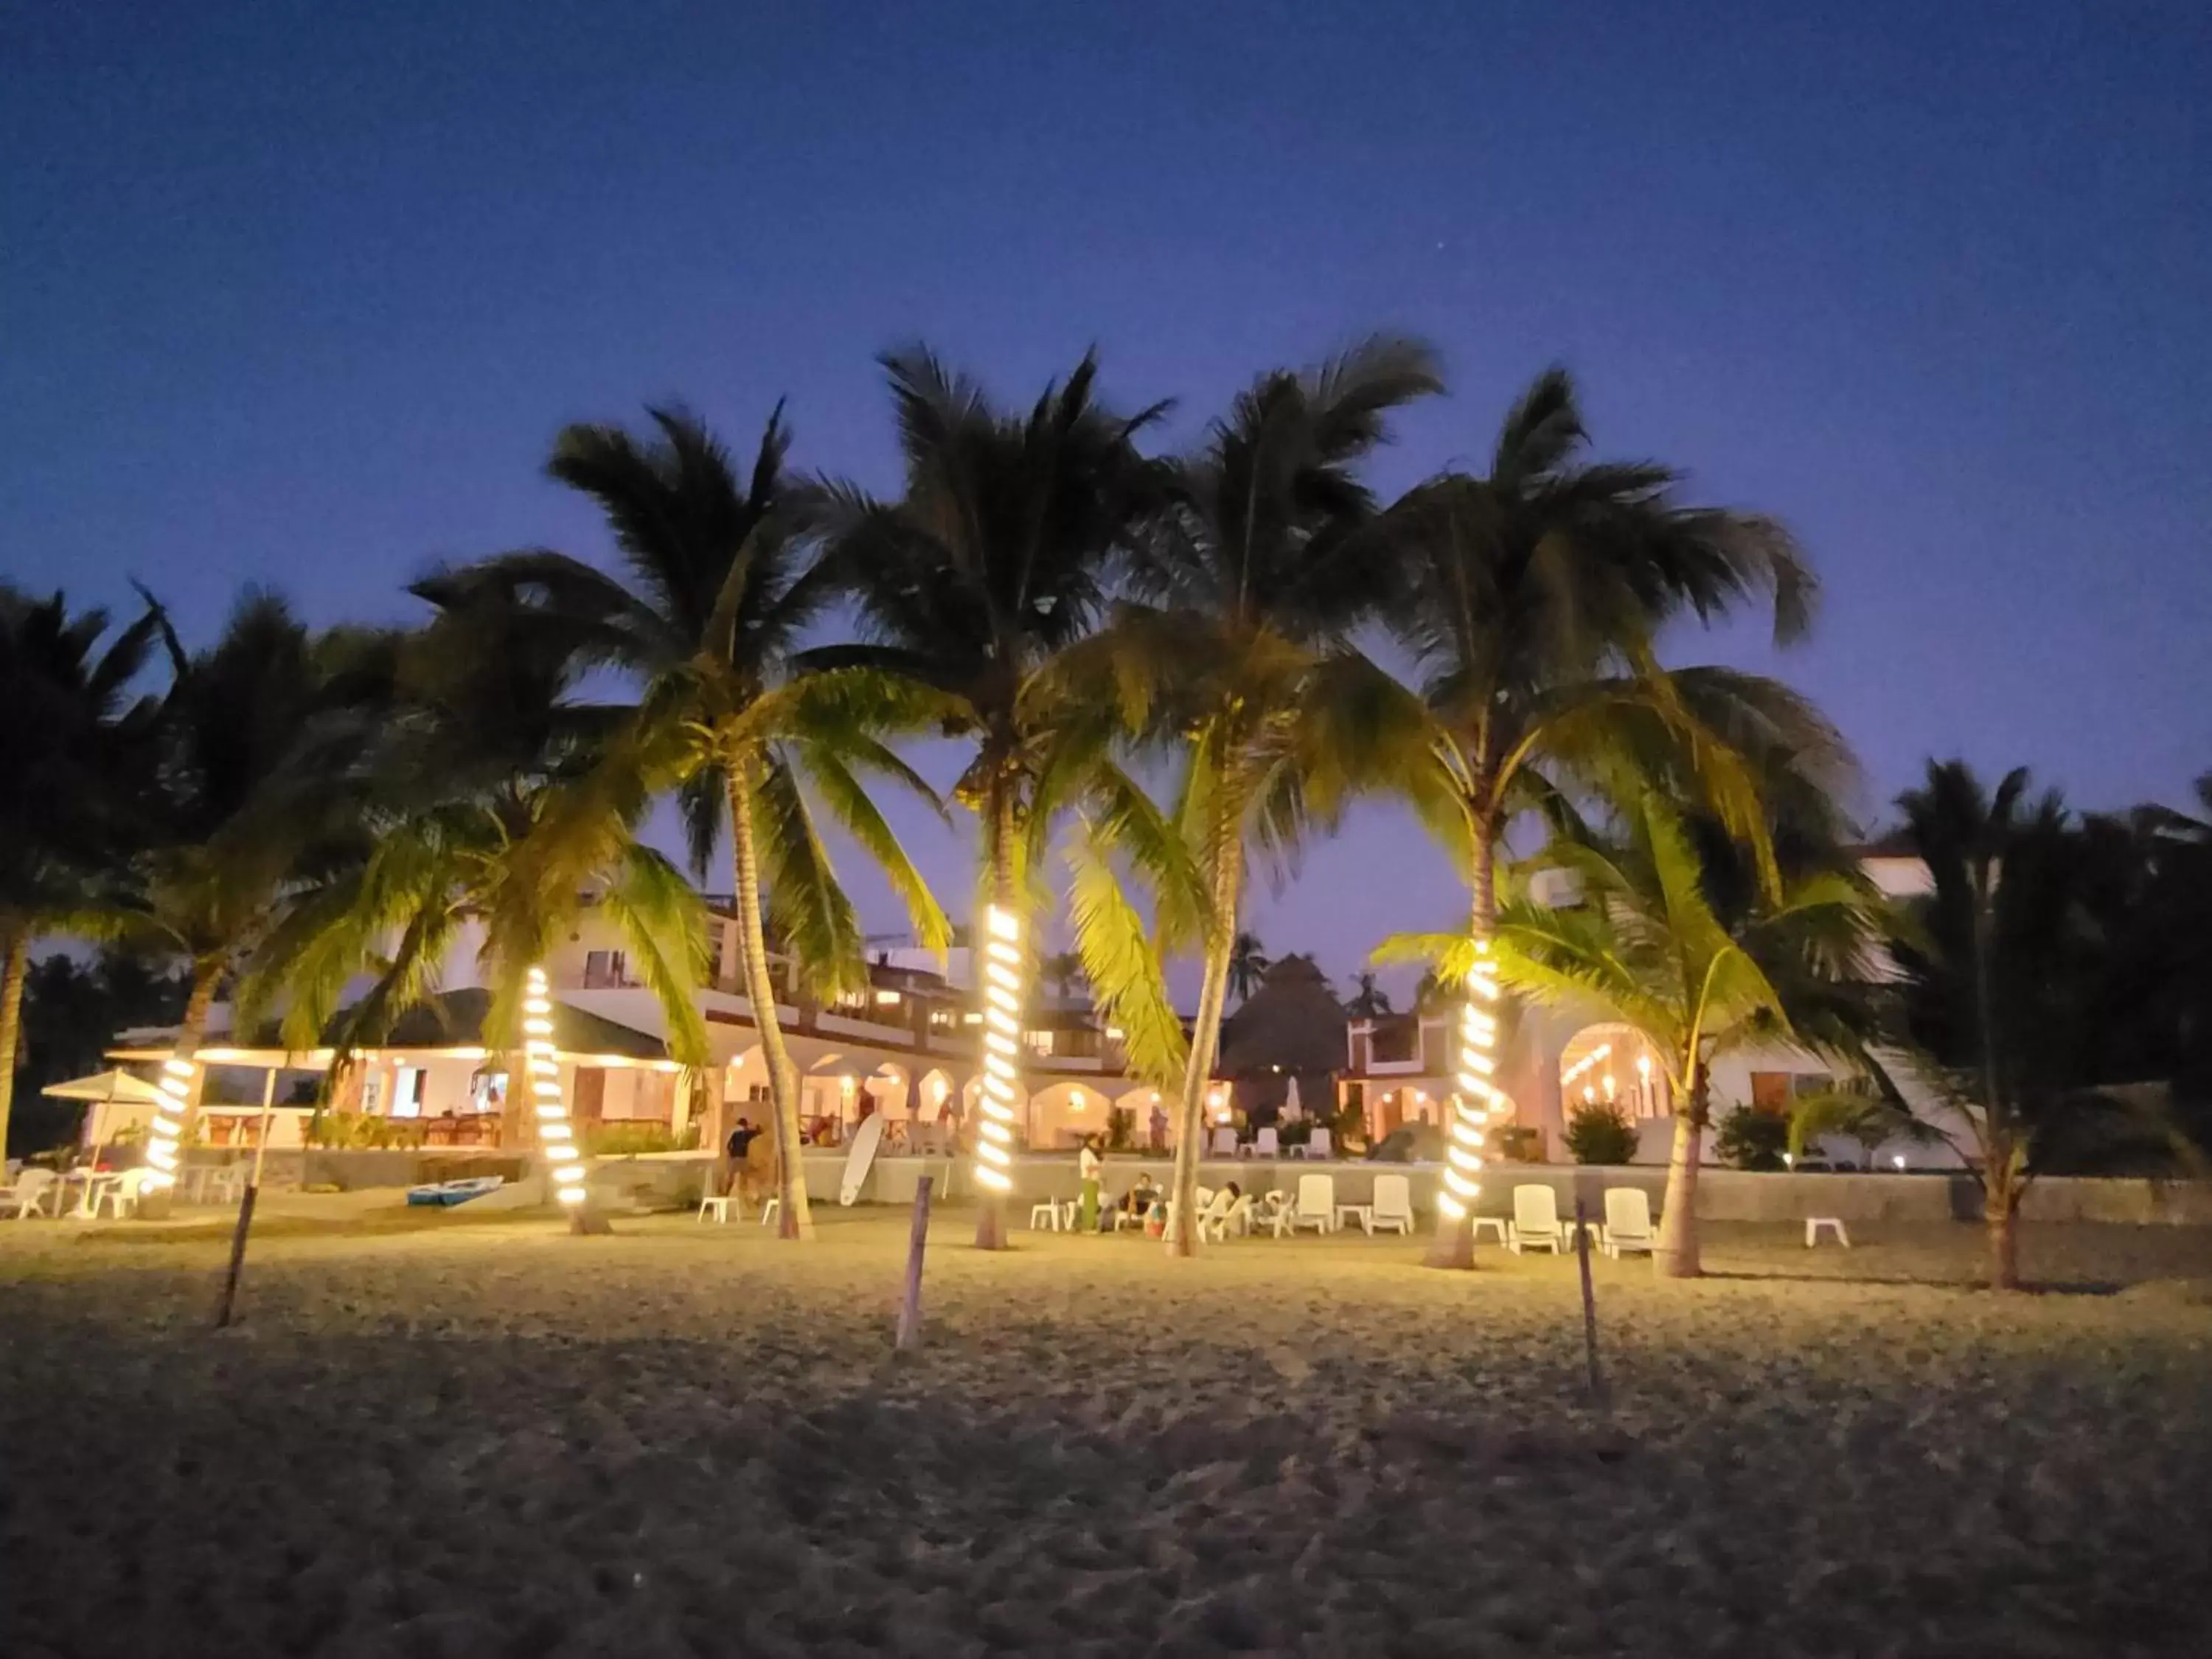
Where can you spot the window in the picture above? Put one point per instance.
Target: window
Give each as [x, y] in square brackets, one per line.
[407, 1092]
[1037, 1043]
[1773, 1091]
[887, 999]
[606, 968]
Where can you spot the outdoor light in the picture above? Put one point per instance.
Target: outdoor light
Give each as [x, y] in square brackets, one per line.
[1002, 982]
[1075, 1100]
[1897, 1158]
[1478, 1097]
[1789, 1160]
[555, 1133]
[167, 1130]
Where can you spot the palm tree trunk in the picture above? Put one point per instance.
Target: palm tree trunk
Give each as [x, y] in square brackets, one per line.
[1205, 1043]
[793, 1218]
[1675, 1252]
[1453, 1246]
[1003, 827]
[2001, 1218]
[12, 974]
[206, 976]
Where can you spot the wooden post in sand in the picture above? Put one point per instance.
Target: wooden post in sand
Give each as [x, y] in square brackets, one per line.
[1589, 1302]
[245, 1205]
[909, 1314]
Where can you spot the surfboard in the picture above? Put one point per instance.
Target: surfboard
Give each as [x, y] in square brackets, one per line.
[858, 1160]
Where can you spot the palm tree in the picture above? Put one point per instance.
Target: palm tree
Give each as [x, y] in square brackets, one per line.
[1678, 933]
[475, 821]
[1063, 972]
[2001, 962]
[975, 586]
[257, 790]
[73, 751]
[1529, 599]
[1369, 999]
[1247, 590]
[720, 589]
[1248, 962]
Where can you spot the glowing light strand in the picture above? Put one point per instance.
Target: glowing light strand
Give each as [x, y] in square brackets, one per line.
[1478, 1100]
[166, 1136]
[555, 1133]
[1002, 988]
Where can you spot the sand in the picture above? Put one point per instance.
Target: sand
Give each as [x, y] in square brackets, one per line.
[490, 1439]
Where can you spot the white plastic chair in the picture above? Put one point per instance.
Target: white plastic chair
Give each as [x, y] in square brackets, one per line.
[1627, 1222]
[1394, 1204]
[1241, 1217]
[1224, 1142]
[1273, 1212]
[719, 1208]
[1535, 1221]
[1213, 1216]
[27, 1197]
[1267, 1142]
[770, 1210]
[1319, 1146]
[122, 1197]
[1317, 1205]
[1045, 1216]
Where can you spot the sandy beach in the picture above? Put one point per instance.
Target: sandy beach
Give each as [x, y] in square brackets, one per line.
[481, 1438]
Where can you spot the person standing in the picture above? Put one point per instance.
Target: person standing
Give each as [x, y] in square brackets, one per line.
[741, 1142]
[1088, 1166]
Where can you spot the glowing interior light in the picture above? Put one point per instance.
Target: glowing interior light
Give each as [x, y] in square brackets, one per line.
[1478, 1100]
[1002, 999]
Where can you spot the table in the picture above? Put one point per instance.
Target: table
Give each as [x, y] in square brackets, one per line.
[1362, 1214]
[95, 1182]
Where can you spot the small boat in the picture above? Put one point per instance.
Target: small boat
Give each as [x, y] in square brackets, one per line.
[446, 1194]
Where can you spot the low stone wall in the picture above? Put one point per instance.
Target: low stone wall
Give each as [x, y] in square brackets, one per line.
[676, 1179]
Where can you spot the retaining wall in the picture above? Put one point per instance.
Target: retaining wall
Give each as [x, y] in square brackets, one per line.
[669, 1180]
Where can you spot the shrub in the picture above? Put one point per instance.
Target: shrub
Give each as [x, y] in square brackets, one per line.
[1751, 1139]
[628, 1139]
[1600, 1135]
[1520, 1145]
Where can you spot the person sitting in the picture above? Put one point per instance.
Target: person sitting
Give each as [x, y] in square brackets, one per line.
[1137, 1201]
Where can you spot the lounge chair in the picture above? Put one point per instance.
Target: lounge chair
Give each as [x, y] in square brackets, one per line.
[28, 1196]
[1394, 1204]
[1317, 1205]
[1535, 1221]
[1319, 1146]
[1627, 1222]
[1213, 1216]
[1273, 1212]
[1267, 1142]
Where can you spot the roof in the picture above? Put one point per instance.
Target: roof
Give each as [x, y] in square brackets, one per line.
[1293, 1021]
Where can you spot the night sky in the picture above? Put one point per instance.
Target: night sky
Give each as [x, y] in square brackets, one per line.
[299, 293]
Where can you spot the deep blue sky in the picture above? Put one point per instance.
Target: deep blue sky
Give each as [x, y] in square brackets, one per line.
[298, 293]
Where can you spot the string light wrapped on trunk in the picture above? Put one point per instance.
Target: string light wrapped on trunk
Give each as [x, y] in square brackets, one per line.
[1478, 1100]
[167, 1134]
[1002, 1032]
[555, 1133]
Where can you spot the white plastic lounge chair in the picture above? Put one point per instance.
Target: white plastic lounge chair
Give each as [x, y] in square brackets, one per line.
[1319, 1146]
[1317, 1205]
[1394, 1204]
[1213, 1218]
[1224, 1142]
[1627, 1222]
[1273, 1212]
[1267, 1142]
[30, 1196]
[122, 1196]
[1535, 1221]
